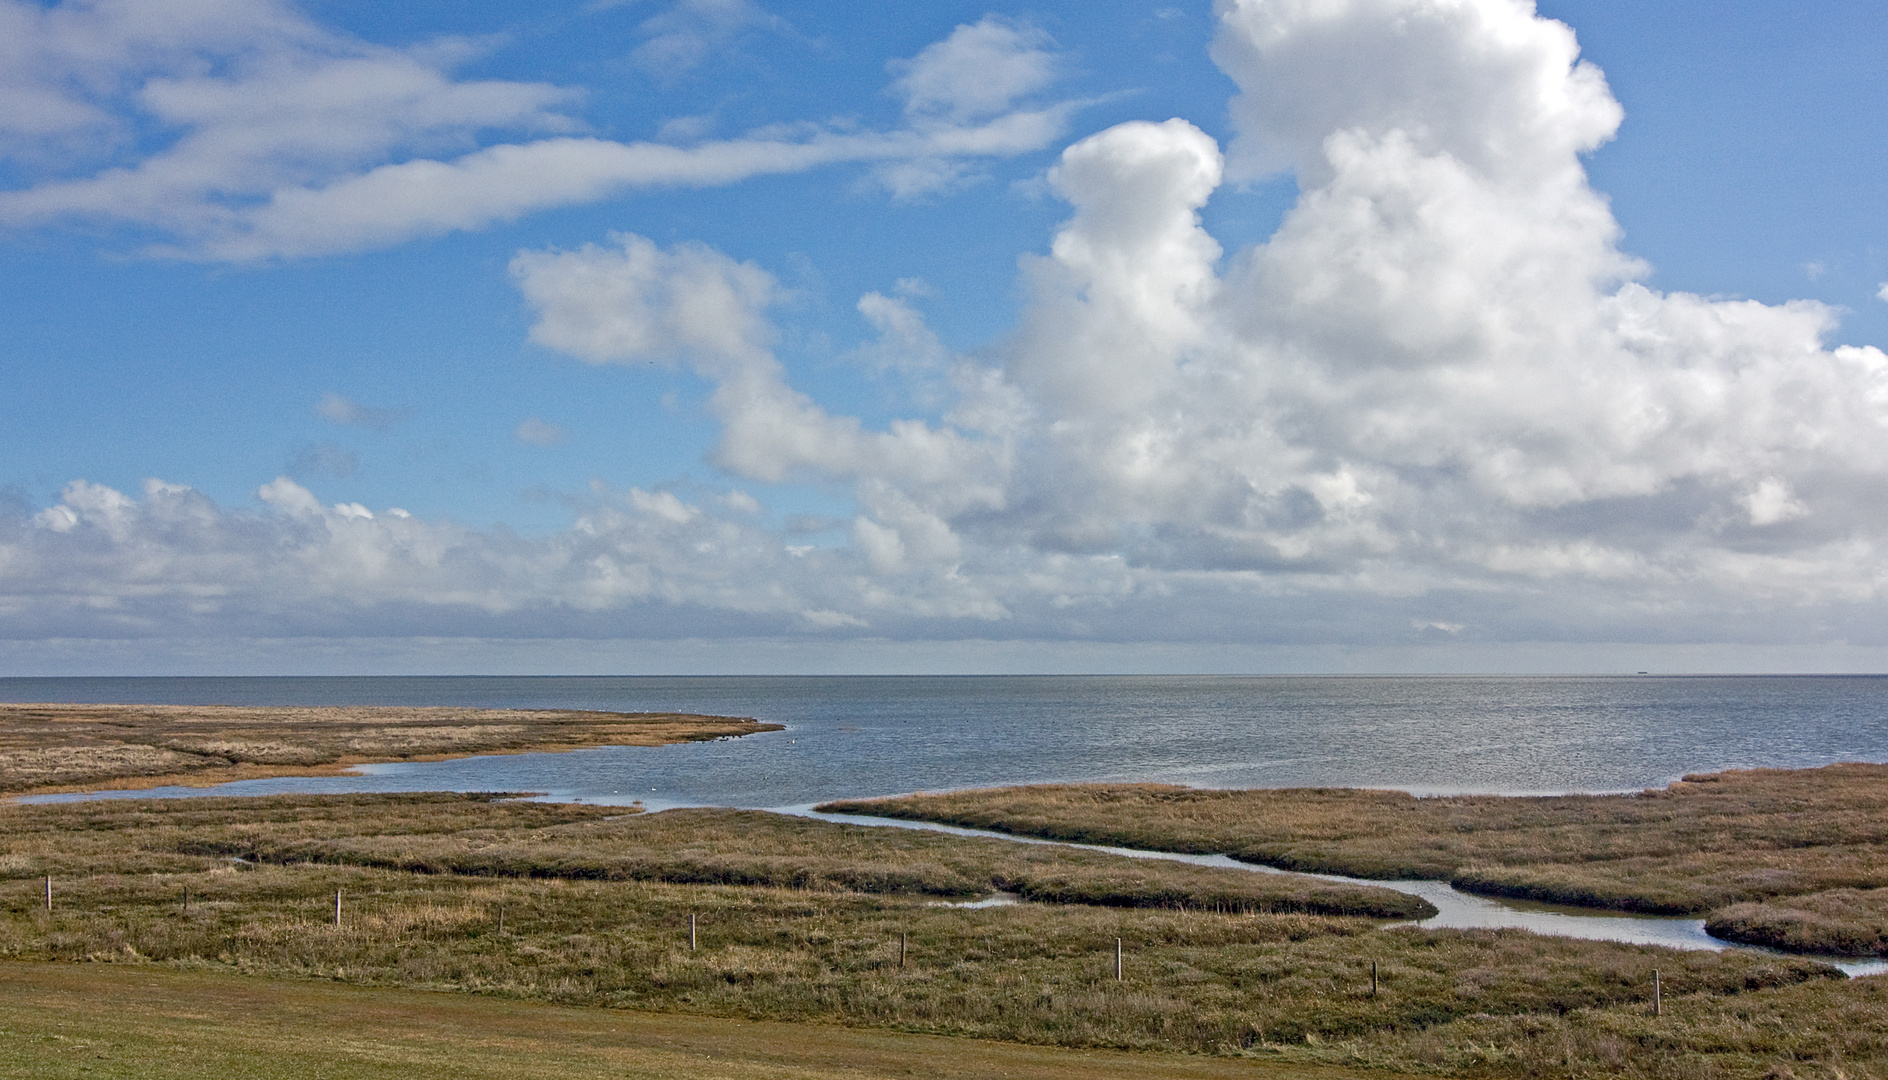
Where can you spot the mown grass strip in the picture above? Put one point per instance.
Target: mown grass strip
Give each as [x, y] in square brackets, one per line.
[114, 1022]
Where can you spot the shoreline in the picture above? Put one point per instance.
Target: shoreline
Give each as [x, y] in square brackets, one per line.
[63, 749]
[1475, 845]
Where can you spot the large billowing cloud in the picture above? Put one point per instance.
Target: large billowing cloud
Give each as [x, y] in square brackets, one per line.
[295, 141]
[1438, 401]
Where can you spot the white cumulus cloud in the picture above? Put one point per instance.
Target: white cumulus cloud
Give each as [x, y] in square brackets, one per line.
[981, 70]
[1439, 401]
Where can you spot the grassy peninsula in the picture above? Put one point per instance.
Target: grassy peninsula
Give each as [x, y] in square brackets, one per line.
[1790, 859]
[53, 748]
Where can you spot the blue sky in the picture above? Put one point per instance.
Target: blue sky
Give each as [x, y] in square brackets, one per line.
[729, 335]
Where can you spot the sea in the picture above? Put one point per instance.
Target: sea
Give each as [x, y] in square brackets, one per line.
[883, 735]
[849, 737]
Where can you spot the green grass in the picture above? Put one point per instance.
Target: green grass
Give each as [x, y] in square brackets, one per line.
[121, 1022]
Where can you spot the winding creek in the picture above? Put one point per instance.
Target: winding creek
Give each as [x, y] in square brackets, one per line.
[1455, 909]
[858, 737]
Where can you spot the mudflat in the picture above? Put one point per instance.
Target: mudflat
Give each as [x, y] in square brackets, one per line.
[61, 748]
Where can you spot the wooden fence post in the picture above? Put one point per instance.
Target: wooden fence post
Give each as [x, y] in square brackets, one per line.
[1117, 959]
[1658, 1005]
[337, 908]
[1373, 978]
[691, 931]
[903, 941]
[48, 894]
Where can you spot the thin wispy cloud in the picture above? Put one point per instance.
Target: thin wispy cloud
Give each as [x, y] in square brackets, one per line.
[294, 141]
[533, 431]
[336, 409]
[687, 34]
[323, 460]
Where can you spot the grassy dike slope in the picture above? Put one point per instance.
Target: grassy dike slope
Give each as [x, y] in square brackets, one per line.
[120, 1022]
[1703, 844]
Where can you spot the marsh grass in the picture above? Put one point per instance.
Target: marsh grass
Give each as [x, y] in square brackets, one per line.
[1278, 985]
[1036, 973]
[82, 747]
[1702, 843]
[489, 836]
[1844, 922]
[732, 847]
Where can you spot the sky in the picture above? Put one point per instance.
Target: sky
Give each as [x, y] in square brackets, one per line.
[730, 336]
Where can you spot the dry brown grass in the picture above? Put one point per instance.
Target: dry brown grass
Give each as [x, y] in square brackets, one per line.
[1291, 988]
[1846, 922]
[1702, 843]
[1037, 973]
[1792, 860]
[489, 837]
[85, 747]
[1834, 1031]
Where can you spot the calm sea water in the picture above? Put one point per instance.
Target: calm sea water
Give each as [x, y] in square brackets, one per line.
[861, 736]
[885, 735]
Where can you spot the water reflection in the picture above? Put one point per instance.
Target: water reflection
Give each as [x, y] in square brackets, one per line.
[997, 899]
[850, 737]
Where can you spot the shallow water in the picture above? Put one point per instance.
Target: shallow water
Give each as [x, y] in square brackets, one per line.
[996, 899]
